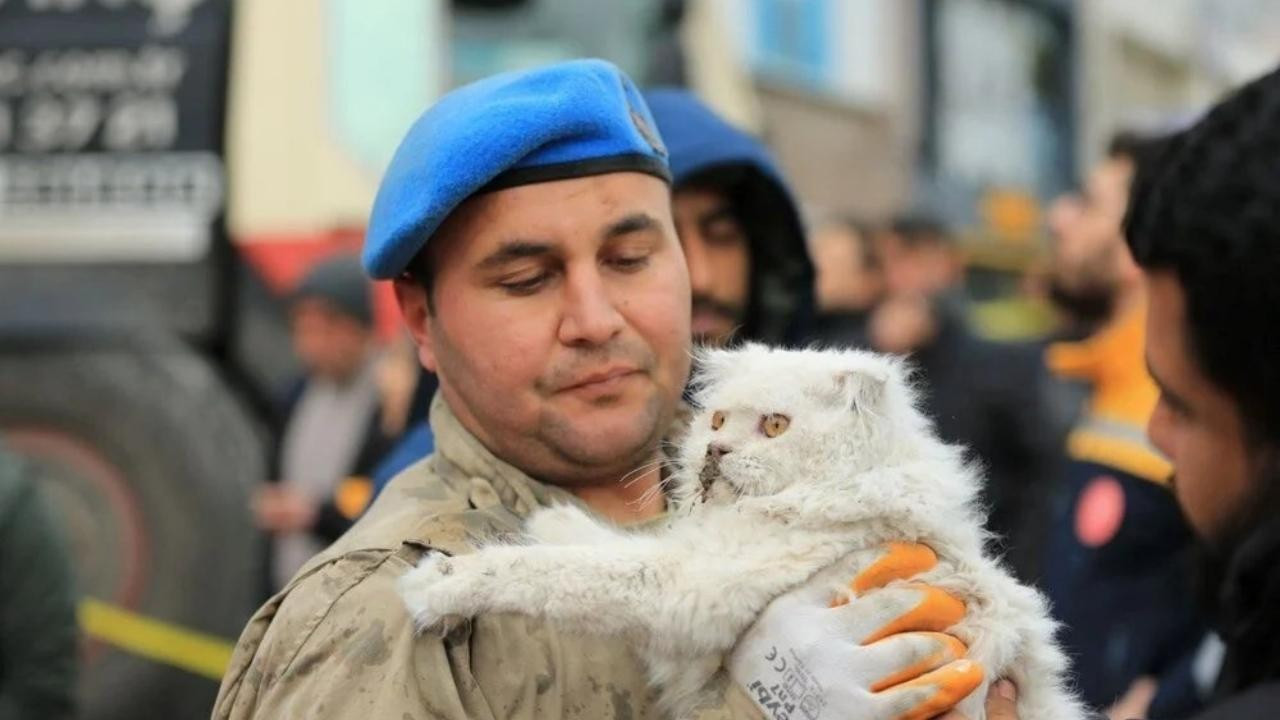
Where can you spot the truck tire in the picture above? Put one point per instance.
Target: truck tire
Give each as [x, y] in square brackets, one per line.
[147, 459]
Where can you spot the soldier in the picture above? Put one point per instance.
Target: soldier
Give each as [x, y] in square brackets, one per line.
[526, 220]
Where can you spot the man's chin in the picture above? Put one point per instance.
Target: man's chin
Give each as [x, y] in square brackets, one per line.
[594, 451]
[606, 435]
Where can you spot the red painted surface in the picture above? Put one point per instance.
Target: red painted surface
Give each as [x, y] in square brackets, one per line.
[282, 260]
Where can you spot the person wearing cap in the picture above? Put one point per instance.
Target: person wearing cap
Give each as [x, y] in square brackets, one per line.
[526, 223]
[331, 434]
[749, 269]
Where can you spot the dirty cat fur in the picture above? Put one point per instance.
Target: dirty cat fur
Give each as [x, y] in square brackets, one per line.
[797, 459]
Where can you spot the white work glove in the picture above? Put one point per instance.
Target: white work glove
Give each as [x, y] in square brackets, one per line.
[882, 655]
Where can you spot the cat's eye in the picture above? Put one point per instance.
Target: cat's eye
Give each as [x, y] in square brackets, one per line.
[774, 425]
[717, 420]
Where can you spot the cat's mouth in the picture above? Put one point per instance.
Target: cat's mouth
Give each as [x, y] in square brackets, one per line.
[711, 476]
[708, 477]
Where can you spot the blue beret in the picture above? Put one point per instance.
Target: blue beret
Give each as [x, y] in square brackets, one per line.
[571, 119]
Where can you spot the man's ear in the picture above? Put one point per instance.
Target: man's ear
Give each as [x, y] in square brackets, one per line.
[416, 312]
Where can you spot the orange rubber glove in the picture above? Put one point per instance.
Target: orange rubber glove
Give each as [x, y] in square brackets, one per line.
[881, 653]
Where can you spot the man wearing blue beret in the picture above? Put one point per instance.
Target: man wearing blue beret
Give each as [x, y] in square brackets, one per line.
[526, 221]
[750, 275]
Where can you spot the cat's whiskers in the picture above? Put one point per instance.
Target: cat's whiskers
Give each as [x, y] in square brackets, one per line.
[638, 473]
[650, 494]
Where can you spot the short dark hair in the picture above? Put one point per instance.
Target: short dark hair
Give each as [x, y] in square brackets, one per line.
[1207, 208]
[422, 270]
[1139, 148]
[921, 229]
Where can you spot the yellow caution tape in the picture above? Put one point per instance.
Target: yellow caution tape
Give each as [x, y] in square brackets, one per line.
[156, 640]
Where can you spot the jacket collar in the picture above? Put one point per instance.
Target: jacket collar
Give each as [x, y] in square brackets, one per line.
[515, 490]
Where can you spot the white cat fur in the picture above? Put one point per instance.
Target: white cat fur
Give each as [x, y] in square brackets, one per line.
[858, 466]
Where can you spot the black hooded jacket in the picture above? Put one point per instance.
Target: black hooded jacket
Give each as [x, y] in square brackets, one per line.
[706, 150]
[1243, 588]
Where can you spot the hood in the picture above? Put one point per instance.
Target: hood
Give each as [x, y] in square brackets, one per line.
[705, 149]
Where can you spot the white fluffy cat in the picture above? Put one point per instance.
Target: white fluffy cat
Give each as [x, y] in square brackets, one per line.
[796, 460]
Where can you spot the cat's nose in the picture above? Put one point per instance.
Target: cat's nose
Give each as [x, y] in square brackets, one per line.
[717, 451]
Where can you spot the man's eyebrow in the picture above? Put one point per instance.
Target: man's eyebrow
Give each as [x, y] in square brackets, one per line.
[717, 213]
[515, 250]
[636, 222]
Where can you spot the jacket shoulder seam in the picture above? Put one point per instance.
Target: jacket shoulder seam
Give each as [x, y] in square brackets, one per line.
[361, 577]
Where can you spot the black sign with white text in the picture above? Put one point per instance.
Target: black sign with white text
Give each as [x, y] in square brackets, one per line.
[111, 120]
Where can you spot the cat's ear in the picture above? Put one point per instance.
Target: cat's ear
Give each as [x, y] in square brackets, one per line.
[712, 361]
[861, 389]
[711, 365]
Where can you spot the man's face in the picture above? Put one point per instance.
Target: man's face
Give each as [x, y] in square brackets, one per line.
[1090, 259]
[923, 269]
[559, 323]
[846, 280]
[719, 259]
[1195, 424]
[329, 343]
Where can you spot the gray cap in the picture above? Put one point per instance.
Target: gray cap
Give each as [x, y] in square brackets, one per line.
[341, 282]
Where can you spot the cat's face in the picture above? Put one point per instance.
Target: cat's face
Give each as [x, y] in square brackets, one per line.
[771, 418]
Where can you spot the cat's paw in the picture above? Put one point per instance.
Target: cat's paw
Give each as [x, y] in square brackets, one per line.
[435, 594]
[563, 525]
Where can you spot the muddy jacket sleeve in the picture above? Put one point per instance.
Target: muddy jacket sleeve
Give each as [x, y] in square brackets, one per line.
[339, 644]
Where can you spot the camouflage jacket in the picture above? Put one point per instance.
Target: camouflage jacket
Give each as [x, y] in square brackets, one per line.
[338, 643]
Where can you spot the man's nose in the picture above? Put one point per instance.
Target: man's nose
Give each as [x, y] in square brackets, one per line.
[589, 316]
[695, 257]
[1158, 426]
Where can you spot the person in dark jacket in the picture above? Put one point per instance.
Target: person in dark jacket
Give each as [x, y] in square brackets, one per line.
[743, 240]
[37, 603]
[1204, 225]
[1117, 547]
[332, 433]
[987, 396]
[850, 282]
